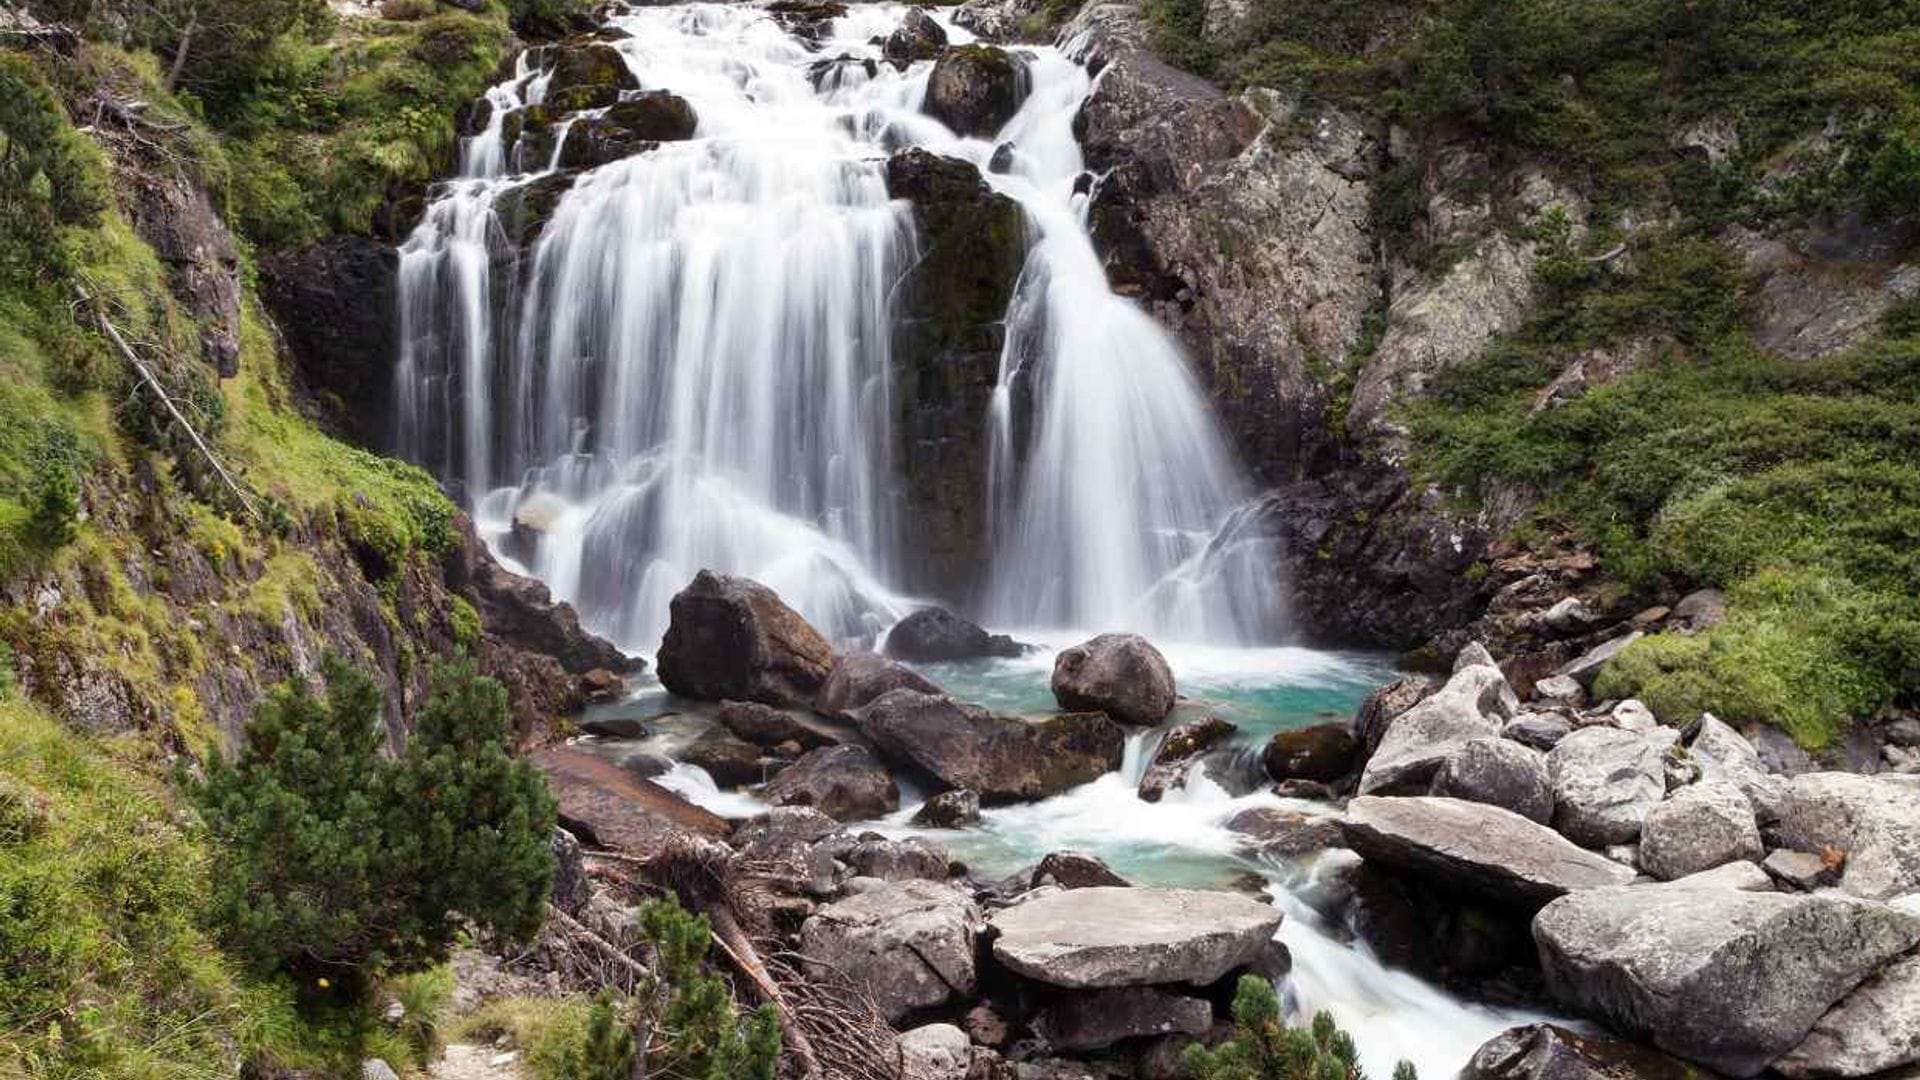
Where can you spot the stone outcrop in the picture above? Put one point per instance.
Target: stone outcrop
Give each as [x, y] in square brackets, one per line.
[908, 944]
[1121, 675]
[1001, 758]
[1475, 848]
[1475, 702]
[1874, 820]
[843, 782]
[1605, 780]
[933, 634]
[732, 638]
[1733, 991]
[334, 302]
[609, 806]
[1107, 937]
[1702, 826]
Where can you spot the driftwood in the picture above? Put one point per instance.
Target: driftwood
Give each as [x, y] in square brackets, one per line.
[153, 383]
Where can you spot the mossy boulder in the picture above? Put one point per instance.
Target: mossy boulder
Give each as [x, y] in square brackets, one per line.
[918, 38]
[946, 357]
[581, 98]
[591, 64]
[975, 89]
[628, 128]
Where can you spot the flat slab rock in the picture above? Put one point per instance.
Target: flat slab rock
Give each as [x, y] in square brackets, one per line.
[1475, 847]
[1103, 937]
[619, 809]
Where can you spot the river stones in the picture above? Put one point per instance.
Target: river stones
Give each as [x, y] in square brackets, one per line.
[858, 678]
[1275, 830]
[733, 638]
[731, 762]
[975, 89]
[908, 944]
[917, 38]
[1001, 758]
[1552, 1052]
[1872, 1030]
[1075, 870]
[1499, 772]
[1702, 826]
[1179, 752]
[1475, 702]
[764, 725]
[1729, 979]
[1322, 753]
[1875, 820]
[950, 810]
[1103, 937]
[1475, 848]
[843, 782]
[1605, 780]
[1121, 675]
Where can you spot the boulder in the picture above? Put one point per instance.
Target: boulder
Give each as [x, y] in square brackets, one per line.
[623, 128]
[908, 944]
[615, 727]
[1802, 870]
[934, 634]
[936, 1051]
[1475, 702]
[1584, 667]
[1605, 780]
[1378, 711]
[1179, 752]
[1744, 876]
[1076, 870]
[918, 38]
[1104, 937]
[875, 856]
[975, 89]
[1475, 848]
[732, 638]
[1702, 826]
[1560, 690]
[731, 762]
[858, 678]
[1540, 730]
[604, 804]
[843, 782]
[1001, 758]
[1552, 1052]
[1727, 978]
[1499, 772]
[764, 725]
[1569, 616]
[1875, 820]
[1275, 830]
[1700, 610]
[1724, 754]
[1323, 753]
[1121, 675]
[593, 64]
[950, 810]
[786, 850]
[1077, 1023]
[1873, 1029]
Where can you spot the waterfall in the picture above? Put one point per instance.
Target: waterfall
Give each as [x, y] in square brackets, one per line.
[690, 367]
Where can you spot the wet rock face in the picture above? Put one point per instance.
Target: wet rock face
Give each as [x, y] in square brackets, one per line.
[627, 128]
[974, 89]
[918, 38]
[843, 782]
[1001, 758]
[970, 244]
[1323, 752]
[177, 218]
[1733, 992]
[592, 65]
[933, 634]
[1122, 675]
[733, 638]
[334, 303]
[1179, 752]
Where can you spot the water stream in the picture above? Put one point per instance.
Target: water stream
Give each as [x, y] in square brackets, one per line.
[691, 368]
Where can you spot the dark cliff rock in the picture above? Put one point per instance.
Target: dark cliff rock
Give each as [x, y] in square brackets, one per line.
[335, 305]
[519, 611]
[971, 243]
[974, 89]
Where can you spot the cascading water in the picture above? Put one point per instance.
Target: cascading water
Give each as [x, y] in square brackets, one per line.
[691, 367]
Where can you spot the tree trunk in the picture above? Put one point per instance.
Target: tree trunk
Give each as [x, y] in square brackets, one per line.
[180, 51]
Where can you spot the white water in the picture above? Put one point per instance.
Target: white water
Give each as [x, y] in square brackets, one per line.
[692, 368]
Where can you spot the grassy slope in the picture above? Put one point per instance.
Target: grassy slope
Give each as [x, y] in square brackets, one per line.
[1790, 485]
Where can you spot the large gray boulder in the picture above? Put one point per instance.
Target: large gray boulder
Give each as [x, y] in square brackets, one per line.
[1724, 754]
[858, 678]
[1584, 667]
[1077, 1023]
[1702, 826]
[1874, 1029]
[1475, 702]
[1875, 820]
[1001, 758]
[1605, 780]
[733, 638]
[908, 944]
[1475, 848]
[1103, 937]
[843, 782]
[1499, 772]
[1121, 675]
[1727, 978]
[936, 1051]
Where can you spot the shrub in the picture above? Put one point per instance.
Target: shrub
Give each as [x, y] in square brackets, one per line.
[335, 862]
[1263, 1047]
[692, 1011]
[50, 175]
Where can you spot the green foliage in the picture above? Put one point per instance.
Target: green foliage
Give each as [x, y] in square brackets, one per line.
[50, 175]
[691, 1010]
[1263, 1047]
[335, 862]
[604, 1051]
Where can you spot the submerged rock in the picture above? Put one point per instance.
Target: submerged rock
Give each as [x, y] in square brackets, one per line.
[974, 89]
[909, 945]
[1002, 758]
[1105, 937]
[733, 638]
[1728, 978]
[1475, 848]
[933, 634]
[1121, 675]
[843, 782]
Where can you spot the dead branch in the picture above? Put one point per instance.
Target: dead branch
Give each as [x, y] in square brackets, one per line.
[581, 934]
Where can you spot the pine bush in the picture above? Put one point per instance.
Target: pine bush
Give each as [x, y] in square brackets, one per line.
[1263, 1047]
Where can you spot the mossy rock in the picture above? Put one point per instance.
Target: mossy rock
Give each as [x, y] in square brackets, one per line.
[596, 64]
[525, 210]
[628, 128]
[582, 98]
[975, 89]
